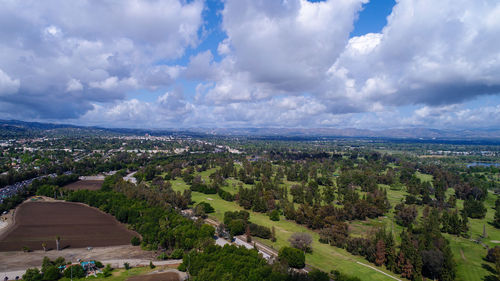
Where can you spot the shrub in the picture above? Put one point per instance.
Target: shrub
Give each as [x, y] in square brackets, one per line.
[126, 266]
[163, 256]
[207, 208]
[177, 254]
[301, 240]
[274, 215]
[107, 270]
[293, 257]
[260, 231]
[318, 275]
[135, 241]
[75, 270]
[225, 195]
[32, 274]
[99, 264]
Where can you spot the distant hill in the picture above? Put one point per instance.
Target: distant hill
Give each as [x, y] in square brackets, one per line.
[16, 128]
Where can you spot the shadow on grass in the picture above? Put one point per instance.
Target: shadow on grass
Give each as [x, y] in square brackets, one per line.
[489, 268]
[491, 278]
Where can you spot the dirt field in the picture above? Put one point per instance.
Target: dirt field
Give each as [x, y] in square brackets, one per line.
[78, 225]
[85, 184]
[165, 276]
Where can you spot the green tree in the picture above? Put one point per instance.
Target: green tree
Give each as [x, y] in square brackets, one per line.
[293, 257]
[32, 274]
[274, 215]
[51, 273]
[74, 270]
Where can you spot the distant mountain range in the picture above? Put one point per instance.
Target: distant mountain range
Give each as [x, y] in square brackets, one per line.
[16, 128]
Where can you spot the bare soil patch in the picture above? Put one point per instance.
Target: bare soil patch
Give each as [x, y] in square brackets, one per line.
[85, 184]
[165, 276]
[78, 225]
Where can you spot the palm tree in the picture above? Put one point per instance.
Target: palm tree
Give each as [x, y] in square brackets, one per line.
[58, 242]
[44, 246]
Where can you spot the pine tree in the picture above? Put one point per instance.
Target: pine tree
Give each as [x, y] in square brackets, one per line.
[380, 253]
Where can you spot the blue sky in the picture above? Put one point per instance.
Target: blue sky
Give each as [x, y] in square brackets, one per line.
[244, 63]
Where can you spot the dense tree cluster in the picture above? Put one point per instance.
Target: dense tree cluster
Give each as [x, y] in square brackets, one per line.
[238, 263]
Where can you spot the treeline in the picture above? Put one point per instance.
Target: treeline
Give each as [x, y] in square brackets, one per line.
[237, 223]
[423, 251]
[240, 264]
[50, 186]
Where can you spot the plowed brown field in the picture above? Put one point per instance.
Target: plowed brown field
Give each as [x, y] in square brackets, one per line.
[77, 224]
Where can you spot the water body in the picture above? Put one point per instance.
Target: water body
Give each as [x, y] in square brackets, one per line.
[483, 164]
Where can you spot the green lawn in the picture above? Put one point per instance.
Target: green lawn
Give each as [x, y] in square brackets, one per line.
[324, 256]
[120, 274]
[468, 255]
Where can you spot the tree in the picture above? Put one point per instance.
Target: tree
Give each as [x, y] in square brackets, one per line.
[32, 274]
[107, 270]
[74, 270]
[51, 273]
[380, 253]
[274, 215]
[58, 242]
[318, 275]
[273, 234]
[405, 215]
[301, 240]
[247, 234]
[433, 261]
[293, 257]
[496, 219]
[474, 208]
[135, 241]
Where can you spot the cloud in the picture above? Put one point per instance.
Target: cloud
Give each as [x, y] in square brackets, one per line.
[280, 63]
[429, 53]
[169, 110]
[7, 84]
[74, 54]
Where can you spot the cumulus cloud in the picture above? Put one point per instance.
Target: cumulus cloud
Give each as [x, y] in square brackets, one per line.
[280, 63]
[429, 53]
[82, 52]
[170, 109]
[7, 84]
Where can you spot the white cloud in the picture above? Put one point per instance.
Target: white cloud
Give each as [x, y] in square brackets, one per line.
[7, 84]
[429, 53]
[96, 51]
[74, 85]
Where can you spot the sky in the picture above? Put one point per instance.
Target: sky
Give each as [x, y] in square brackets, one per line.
[252, 63]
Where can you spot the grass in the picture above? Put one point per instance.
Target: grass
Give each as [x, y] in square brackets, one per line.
[467, 254]
[323, 256]
[121, 274]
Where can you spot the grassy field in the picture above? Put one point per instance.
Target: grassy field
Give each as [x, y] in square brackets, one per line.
[323, 256]
[121, 274]
[468, 254]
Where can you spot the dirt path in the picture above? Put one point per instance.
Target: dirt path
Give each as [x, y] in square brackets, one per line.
[462, 254]
[12, 261]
